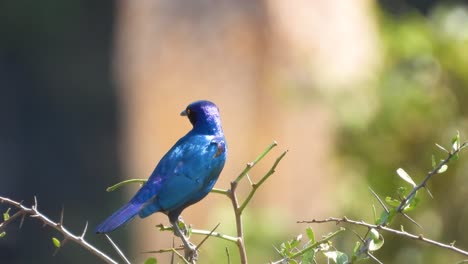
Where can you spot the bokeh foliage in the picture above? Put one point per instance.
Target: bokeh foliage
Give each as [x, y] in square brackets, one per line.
[420, 99]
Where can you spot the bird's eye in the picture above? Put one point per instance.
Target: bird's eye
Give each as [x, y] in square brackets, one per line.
[188, 111]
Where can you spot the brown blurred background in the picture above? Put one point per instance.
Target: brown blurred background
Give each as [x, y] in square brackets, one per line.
[92, 91]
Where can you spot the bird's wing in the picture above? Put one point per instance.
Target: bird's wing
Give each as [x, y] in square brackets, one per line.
[190, 170]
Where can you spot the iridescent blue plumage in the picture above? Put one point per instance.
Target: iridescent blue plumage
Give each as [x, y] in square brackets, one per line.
[185, 175]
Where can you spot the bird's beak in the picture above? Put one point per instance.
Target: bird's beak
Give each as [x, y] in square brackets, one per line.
[183, 113]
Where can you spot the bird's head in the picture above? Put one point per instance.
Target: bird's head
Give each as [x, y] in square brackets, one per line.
[204, 116]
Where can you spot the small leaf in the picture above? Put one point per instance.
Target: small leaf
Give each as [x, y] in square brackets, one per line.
[385, 217]
[392, 202]
[56, 242]
[296, 241]
[2, 234]
[151, 261]
[401, 191]
[411, 205]
[337, 256]
[405, 176]
[356, 247]
[308, 257]
[310, 234]
[442, 169]
[456, 141]
[434, 164]
[377, 240]
[6, 215]
[374, 234]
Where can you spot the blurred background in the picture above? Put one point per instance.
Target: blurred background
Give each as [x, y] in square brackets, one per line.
[91, 93]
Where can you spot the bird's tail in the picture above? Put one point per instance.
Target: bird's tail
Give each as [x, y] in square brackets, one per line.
[120, 217]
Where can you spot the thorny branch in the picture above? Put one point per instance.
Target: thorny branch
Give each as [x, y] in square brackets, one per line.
[457, 147]
[387, 229]
[33, 212]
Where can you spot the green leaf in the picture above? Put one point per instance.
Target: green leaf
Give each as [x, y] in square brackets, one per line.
[337, 256]
[434, 164]
[385, 217]
[405, 176]
[456, 141]
[308, 257]
[6, 215]
[373, 233]
[401, 191]
[356, 247]
[296, 241]
[377, 240]
[392, 202]
[2, 234]
[412, 204]
[151, 261]
[456, 145]
[56, 242]
[443, 169]
[310, 234]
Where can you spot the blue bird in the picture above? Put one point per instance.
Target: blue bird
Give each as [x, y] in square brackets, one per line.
[184, 176]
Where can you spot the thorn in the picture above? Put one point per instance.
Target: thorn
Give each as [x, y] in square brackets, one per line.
[23, 215]
[35, 203]
[56, 251]
[207, 236]
[442, 148]
[248, 178]
[378, 199]
[64, 242]
[61, 215]
[428, 191]
[409, 218]
[84, 231]
[374, 258]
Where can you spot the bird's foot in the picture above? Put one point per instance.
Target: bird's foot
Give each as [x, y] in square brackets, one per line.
[186, 229]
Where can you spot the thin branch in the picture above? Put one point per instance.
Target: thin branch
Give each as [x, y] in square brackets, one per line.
[143, 181]
[207, 236]
[321, 241]
[239, 224]
[429, 175]
[227, 255]
[380, 200]
[120, 184]
[121, 254]
[231, 193]
[180, 256]
[220, 191]
[262, 180]
[202, 232]
[390, 230]
[250, 165]
[33, 212]
[164, 250]
[11, 219]
[311, 246]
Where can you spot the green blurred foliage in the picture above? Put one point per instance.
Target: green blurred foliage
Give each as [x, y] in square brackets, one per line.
[420, 98]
